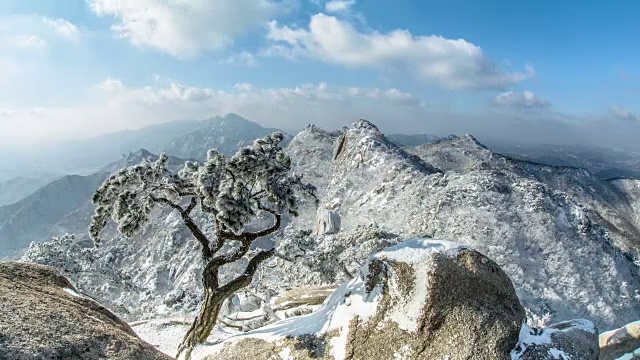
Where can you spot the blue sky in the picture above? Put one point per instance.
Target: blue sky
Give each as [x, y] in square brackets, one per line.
[563, 69]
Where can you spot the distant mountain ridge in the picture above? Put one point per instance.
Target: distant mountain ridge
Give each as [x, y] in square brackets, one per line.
[16, 189]
[226, 134]
[179, 138]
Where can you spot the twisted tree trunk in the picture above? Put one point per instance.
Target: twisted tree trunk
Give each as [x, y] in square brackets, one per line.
[214, 297]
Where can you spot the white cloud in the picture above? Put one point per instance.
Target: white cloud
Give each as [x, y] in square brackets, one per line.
[623, 114]
[452, 63]
[63, 28]
[20, 33]
[186, 28]
[244, 58]
[339, 6]
[112, 106]
[525, 99]
[29, 42]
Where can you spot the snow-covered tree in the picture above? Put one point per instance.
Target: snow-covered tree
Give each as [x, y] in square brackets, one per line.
[234, 191]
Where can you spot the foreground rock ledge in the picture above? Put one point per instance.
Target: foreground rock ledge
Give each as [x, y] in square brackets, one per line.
[623, 343]
[43, 317]
[421, 299]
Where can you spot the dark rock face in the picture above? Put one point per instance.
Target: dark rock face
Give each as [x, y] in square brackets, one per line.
[575, 339]
[624, 341]
[43, 317]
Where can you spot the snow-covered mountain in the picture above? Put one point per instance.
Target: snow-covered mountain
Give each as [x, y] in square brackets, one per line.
[226, 134]
[568, 239]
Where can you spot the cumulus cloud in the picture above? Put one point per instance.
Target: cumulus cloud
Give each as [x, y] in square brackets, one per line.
[623, 114]
[452, 63]
[186, 28]
[338, 6]
[523, 100]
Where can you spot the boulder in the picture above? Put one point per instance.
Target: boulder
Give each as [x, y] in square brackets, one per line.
[621, 343]
[421, 299]
[328, 222]
[44, 317]
[574, 339]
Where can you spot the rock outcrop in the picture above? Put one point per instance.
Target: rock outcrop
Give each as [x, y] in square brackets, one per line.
[621, 343]
[575, 339]
[419, 299]
[44, 317]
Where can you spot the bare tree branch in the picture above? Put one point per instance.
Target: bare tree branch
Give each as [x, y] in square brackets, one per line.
[192, 205]
[277, 220]
[244, 280]
[191, 225]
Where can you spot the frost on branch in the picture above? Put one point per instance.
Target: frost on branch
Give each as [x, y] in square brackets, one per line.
[233, 190]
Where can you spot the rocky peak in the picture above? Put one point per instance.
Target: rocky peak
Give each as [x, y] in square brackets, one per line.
[139, 155]
[365, 124]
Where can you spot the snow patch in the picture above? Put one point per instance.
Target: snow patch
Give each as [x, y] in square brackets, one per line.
[285, 354]
[72, 292]
[534, 337]
[414, 252]
[559, 354]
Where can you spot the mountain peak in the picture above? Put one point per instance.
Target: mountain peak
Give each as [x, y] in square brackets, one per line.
[365, 124]
[472, 139]
[140, 153]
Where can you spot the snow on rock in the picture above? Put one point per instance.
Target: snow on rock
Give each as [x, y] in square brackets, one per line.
[164, 334]
[575, 339]
[427, 298]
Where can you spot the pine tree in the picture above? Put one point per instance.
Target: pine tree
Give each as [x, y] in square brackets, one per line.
[234, 191]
